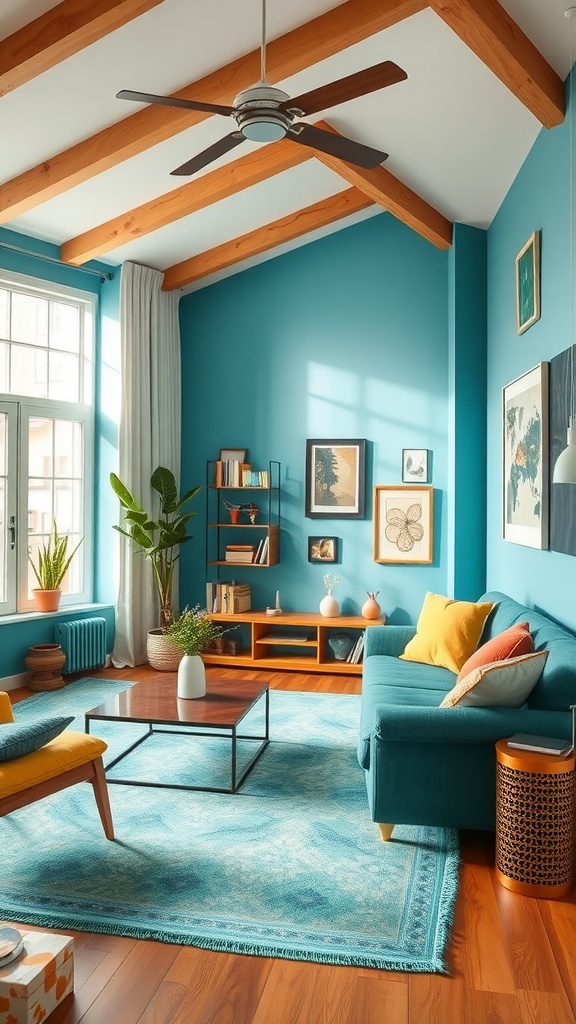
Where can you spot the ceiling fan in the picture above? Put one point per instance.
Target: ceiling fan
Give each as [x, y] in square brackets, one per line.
[264, 113]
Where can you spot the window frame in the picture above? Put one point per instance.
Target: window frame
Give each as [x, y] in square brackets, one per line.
[55, 409]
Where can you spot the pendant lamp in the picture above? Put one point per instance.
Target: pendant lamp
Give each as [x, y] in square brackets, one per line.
[565, 467]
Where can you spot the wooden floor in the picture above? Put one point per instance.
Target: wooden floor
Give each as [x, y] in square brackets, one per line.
[512, 959]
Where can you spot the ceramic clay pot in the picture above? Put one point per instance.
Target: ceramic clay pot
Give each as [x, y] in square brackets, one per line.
[45, 662]
[329, 607]
[191, 677]
[371, 609]
[46, 600]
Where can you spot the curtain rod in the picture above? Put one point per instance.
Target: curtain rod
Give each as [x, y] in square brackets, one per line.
[104, 275]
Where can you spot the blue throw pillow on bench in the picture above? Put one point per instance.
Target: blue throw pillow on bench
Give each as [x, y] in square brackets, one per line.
[17, 739]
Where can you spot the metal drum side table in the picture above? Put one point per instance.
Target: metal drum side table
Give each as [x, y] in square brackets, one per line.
[534, 821]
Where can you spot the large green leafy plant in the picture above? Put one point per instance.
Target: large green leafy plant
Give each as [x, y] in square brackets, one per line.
[158, 539]
[52, 560]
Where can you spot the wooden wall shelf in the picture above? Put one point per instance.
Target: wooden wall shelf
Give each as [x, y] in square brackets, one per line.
[269, 633]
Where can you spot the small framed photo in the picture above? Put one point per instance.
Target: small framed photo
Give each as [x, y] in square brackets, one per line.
[414, 465]
[403, 524]
[528, 284]
[335, 479]
[322, 549]
[233, 454]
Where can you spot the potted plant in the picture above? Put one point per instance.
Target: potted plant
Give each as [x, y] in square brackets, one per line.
[193, 631]
[158, 540]
[50, 565]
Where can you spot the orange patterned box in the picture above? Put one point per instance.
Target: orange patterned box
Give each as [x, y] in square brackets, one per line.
[40, 978]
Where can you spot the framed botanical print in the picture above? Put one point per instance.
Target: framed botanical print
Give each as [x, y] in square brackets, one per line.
[525, 458]
[414, 465]
[335, 479]
[403, 524]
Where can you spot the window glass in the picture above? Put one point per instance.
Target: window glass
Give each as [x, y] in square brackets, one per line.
[63, 385]
[28, 371]
[29, 319]
[64, 326]
[4, 313]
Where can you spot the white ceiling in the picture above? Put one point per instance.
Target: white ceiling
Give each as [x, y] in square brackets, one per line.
[454, 133]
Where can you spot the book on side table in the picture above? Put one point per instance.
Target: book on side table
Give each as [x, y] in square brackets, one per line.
[539, 744]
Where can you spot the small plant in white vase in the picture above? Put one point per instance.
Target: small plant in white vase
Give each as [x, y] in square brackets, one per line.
[329, 606]
[193, 631]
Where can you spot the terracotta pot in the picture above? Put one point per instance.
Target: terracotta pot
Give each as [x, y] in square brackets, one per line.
[234, 514]
[45, 662]
[371, 609]
[47, 600]
[162, 653]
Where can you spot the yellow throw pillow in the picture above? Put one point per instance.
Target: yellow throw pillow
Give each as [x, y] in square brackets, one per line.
[448, 632]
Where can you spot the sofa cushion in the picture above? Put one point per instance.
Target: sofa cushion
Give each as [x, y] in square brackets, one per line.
[501, 684]
[447, 632]
[389, 681]
[20, 738]
[556, 688]
[511, 643]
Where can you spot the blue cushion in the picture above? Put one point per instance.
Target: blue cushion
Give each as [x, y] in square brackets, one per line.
[17, 740]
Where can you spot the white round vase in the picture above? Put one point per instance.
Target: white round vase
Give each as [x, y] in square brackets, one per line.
[329, 607]
[191, 677]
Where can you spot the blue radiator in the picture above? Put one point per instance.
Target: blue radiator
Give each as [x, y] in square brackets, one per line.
[84, 644]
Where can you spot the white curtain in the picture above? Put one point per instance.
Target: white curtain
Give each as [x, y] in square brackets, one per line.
[149, 436]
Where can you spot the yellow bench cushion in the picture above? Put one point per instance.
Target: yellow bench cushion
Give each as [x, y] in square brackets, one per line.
[69, 750]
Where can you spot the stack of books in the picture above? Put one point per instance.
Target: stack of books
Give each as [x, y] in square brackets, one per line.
[229, 598]
[230, 473]
[357, 653]
[239, 553]
[261, 554]
[255, 477]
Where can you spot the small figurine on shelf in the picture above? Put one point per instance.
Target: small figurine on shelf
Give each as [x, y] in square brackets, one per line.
[277, 609]
[235, 510]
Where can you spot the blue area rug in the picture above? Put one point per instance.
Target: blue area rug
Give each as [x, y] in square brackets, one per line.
[290, 866]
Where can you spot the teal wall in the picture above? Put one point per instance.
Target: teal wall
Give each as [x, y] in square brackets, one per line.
[16, 637]
[345, 337]
[538, 199]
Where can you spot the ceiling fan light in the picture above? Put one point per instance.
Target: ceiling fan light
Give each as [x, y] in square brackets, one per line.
[260, 129]
[565, 467]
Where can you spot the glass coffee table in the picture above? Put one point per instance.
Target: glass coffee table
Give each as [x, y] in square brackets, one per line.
[220, 713]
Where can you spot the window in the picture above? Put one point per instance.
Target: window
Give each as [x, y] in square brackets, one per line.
[46, 433]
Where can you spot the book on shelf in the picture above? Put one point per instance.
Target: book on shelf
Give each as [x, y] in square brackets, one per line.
[357, 652]
[539, 744]
[255, 477]
[263, 557]
[291, 638]
[239, 556]
[229, 598]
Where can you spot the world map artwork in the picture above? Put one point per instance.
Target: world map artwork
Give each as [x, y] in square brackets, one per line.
[523, 460]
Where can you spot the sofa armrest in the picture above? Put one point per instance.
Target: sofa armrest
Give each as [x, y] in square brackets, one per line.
[388, 640]
[468, 725]
[5, 708]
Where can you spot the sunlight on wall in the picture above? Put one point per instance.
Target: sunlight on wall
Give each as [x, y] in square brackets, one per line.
[110, 369]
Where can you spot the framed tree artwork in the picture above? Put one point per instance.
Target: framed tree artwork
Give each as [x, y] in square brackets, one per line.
[335, 479]
[403, 524]
[525, 458]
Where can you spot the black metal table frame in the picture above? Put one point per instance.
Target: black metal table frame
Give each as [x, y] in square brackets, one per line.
[225, 732]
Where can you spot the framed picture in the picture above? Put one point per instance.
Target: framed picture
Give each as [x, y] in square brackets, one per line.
[335, 479]
[233, 454]
[528, 284]
[403, 524]
[414, 465]
[525, 458]
[322, 549]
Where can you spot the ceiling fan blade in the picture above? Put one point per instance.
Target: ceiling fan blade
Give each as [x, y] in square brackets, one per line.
[336, 145]
[212, 153]
[174, 101]
[349, 88]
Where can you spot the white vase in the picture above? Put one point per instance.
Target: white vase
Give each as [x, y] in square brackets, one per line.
[191, 677]
[329, 607]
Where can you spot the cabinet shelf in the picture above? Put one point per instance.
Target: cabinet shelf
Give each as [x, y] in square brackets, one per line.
[268, 530]
[316, 655]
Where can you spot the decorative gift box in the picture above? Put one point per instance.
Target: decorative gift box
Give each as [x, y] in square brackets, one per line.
[38, 980]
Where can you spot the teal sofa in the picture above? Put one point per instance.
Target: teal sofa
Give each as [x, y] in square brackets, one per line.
[426, 765]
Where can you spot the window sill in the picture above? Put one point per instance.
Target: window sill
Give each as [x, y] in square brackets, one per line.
[65, 610]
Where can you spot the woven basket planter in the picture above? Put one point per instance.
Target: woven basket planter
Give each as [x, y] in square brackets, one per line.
[162, 653]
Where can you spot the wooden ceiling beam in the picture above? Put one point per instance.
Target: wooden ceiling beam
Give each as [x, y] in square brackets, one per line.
[393, 195]
[196, 195]
[497, 40]
[296, 224]
[60, 33]
[308, 44]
